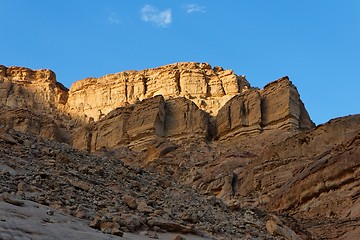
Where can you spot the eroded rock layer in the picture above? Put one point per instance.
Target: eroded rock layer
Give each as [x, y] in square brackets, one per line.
[33, 101]
[137, 125]
[195, 126]
[175, 101]
[209, 88]
[31, 89]
[277, 106]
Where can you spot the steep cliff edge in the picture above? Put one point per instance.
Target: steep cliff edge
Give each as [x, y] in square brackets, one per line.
[139, 124]
[33, 101]
[277, 106]
[197, 100]
[209, 88]
[31, 89]
[204, 128]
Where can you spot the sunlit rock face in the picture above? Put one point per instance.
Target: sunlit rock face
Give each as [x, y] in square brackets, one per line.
[33, 101]
[277, 106]
[175, 101]
[209, 88]
[36, 89]
[185, 124]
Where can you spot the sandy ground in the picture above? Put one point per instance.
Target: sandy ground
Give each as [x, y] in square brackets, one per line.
[31, 221]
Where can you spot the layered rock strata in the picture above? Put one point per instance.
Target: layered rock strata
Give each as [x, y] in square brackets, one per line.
[277, 106]
[148, 105]
[138, 124]
[33, 101]
[312, 175]
[209, 88]
[31, 89]
[269, 154]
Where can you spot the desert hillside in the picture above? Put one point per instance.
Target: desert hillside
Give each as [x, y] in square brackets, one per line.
[182, 151]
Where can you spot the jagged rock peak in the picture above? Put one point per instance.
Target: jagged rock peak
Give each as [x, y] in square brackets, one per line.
[209, 88]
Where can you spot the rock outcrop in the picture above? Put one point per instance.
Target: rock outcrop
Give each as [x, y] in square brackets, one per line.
[37, 90]
[33, 101]
[208, 88]
[311, 175]
[277, 106]
[131, 112]
[166, 135]
[137, 125]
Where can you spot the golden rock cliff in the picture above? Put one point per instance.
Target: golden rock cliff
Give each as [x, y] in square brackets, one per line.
[209, 88]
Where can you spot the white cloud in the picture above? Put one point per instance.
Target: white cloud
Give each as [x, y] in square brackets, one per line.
[193, 7]
[152, 14]
[113, 18]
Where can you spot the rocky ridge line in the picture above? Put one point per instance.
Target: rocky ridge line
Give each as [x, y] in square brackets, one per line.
[56, 112]
[209, 88]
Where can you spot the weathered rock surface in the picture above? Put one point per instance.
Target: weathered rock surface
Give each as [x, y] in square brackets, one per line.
[208, 88]
[183, 147]
[277, 106]
[248, 113]
[114, 196]
[325, 181]
[192, 93]
[33, 101]
[280, 164]
[312, 175]
[137, 125]
[31, 89]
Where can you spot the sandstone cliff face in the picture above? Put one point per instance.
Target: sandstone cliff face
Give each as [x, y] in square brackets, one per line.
[33, 89]
[144, 116]
[282, 108]
[184, 120]
[277, 106]
[208, 88]
[33, 101]
[138, 124]
[205, 127]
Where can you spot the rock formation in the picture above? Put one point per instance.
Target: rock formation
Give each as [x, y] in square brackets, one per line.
[277, 106]
[184, 147]
[208, 88]
[192, 95]
[137, 125]
[28, 89]
[33, 101]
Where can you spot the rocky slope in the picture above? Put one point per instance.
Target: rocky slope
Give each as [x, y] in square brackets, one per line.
[112, 196]
[151, 141]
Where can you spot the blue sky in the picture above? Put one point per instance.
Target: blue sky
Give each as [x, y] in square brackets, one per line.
[314, 42]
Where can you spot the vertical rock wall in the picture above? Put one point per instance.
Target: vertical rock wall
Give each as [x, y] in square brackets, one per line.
[208, 88]
[175, 101]
[138, 124]
[33, 89]
[32, 101]
[277, 106]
